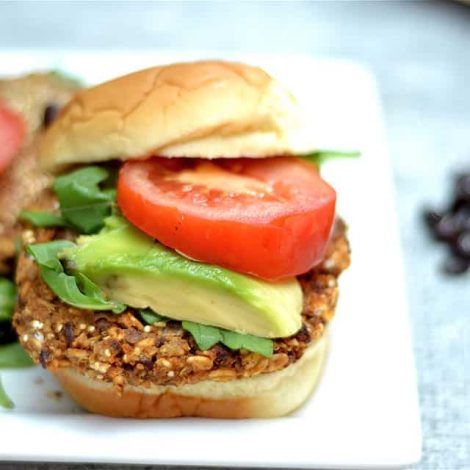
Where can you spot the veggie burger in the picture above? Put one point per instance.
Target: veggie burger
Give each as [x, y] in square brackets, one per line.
[187, 262]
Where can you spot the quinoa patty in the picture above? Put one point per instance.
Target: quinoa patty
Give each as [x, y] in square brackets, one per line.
[121, 349]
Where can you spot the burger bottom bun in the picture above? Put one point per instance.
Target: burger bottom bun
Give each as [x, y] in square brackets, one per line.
[264, 396]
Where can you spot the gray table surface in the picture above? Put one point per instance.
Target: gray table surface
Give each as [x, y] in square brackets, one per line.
[420, 52]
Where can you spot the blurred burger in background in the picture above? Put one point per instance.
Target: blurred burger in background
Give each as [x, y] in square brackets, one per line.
[28, 104]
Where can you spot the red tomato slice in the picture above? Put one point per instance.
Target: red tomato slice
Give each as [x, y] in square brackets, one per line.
[267, 217]
[12, 131]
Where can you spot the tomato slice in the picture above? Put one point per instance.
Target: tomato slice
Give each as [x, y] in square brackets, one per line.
[267, 217]
[12, 131]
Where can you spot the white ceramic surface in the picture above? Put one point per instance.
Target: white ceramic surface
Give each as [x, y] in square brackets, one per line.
[365, 411]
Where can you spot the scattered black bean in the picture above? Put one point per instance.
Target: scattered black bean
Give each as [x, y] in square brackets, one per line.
[432, 218]
[455, 265]
[452, 226]
[462, 245]
[463, 187]
[50, 114]
[458, 205]
[462, 218]
[446, 229]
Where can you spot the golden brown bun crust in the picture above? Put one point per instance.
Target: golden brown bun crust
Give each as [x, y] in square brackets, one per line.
[201, 109]
[264, 396]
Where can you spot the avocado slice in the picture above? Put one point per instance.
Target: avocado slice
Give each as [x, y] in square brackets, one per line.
[140, 272]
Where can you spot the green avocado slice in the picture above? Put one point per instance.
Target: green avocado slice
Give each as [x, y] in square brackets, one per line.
[140, 272]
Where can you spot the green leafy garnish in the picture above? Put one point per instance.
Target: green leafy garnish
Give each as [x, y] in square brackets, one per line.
[78, 291]
[207, 336]
[5, 401]
[204, 335]
[72, 80]
[150, 317]
[13, 355]
[7, 299]
[236, 341]
[43, 219]
[83, 203]
[320, 156]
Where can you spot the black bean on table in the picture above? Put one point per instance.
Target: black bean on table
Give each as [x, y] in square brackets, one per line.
[458, 205]
[432, 218]
[462, 245]
[463, 187]
[452, 226]
[462, 217]
[455, 265]
[447, 228]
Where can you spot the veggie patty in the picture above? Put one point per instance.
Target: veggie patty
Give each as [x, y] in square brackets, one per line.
[122, 349]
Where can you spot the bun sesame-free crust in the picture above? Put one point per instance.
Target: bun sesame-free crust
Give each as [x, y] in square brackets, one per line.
[263, 396]
[203, 109]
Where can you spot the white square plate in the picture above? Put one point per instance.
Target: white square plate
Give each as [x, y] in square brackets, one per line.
[365, 410]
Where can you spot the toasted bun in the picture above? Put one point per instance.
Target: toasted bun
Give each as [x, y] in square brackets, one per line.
[263, 396]
[202, 109]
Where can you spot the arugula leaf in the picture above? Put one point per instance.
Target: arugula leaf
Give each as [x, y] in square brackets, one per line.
[263, 346]
[5, 401]
[46, 254]
[13, 355]
[150, 317]
[207, 336]
[72, 80]
[320, 156]
[7, 298]
[83, 204]
[204, 335]
[77, 291]
[42, 219]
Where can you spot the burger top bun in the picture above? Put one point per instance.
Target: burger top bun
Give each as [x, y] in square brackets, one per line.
[203, 109]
